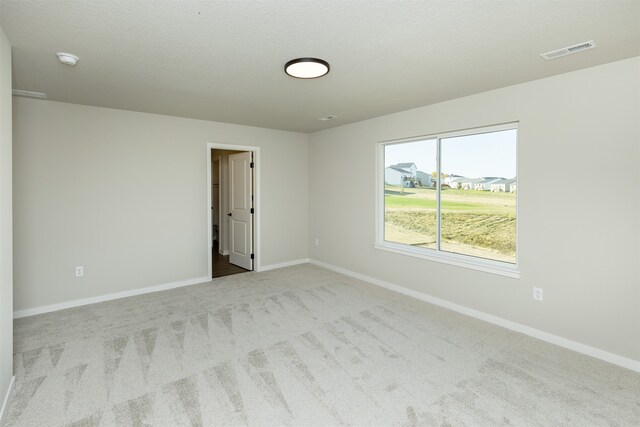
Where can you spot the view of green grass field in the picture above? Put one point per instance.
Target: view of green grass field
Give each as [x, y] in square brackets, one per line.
[476, 223]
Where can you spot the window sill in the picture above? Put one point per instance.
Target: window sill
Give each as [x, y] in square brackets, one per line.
[487, 266]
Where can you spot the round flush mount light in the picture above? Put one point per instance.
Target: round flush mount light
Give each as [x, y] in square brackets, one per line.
[306, 68]
[67, 58]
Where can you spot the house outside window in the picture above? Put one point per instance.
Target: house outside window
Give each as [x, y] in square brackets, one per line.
[451, 197]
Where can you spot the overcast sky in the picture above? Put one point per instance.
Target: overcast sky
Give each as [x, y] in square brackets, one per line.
[472, 156]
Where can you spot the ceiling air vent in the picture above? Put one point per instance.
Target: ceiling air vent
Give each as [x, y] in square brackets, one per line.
[568, 50]
[327, 118]
[29, 94]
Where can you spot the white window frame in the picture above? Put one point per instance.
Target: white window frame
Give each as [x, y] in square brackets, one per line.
[460, 260]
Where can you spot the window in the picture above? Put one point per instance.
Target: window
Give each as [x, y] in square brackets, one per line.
[451, 197]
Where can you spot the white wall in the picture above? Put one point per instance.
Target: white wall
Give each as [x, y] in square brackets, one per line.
[6, 242]
[125, 195]
[580, 243]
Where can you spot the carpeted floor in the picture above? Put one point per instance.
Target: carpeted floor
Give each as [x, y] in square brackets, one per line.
[300, 346]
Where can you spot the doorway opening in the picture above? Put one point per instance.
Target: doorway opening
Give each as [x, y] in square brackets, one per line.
[233, 199]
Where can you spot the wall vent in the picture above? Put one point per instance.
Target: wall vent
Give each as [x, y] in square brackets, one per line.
[568, 50]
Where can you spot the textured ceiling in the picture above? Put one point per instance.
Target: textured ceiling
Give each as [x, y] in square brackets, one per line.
[223, 60]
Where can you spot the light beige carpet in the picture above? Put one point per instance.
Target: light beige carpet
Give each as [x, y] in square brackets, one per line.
[300, 346]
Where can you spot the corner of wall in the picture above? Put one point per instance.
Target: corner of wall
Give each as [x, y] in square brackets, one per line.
[6, 221]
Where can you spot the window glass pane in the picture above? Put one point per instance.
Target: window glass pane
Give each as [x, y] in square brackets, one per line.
[478, 199]
[410, 193]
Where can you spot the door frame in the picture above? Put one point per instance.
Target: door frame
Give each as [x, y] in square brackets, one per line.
[219, 160]
[256, 202]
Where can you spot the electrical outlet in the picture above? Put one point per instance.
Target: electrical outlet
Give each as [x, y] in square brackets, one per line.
[79, 271]
[317, 242]
[538, 294]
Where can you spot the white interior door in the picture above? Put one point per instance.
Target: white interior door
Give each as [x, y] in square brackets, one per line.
[240, 207]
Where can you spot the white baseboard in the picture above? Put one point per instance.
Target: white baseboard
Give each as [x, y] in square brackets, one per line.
[108, 297]
[101, 298]
[284, 264]
[7, 398]
[634, 365]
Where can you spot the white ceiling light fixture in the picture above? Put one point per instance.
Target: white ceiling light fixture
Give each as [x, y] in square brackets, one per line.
[306, 68]
[67, 58]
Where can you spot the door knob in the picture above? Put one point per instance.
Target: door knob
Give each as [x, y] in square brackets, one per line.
[229, 214]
